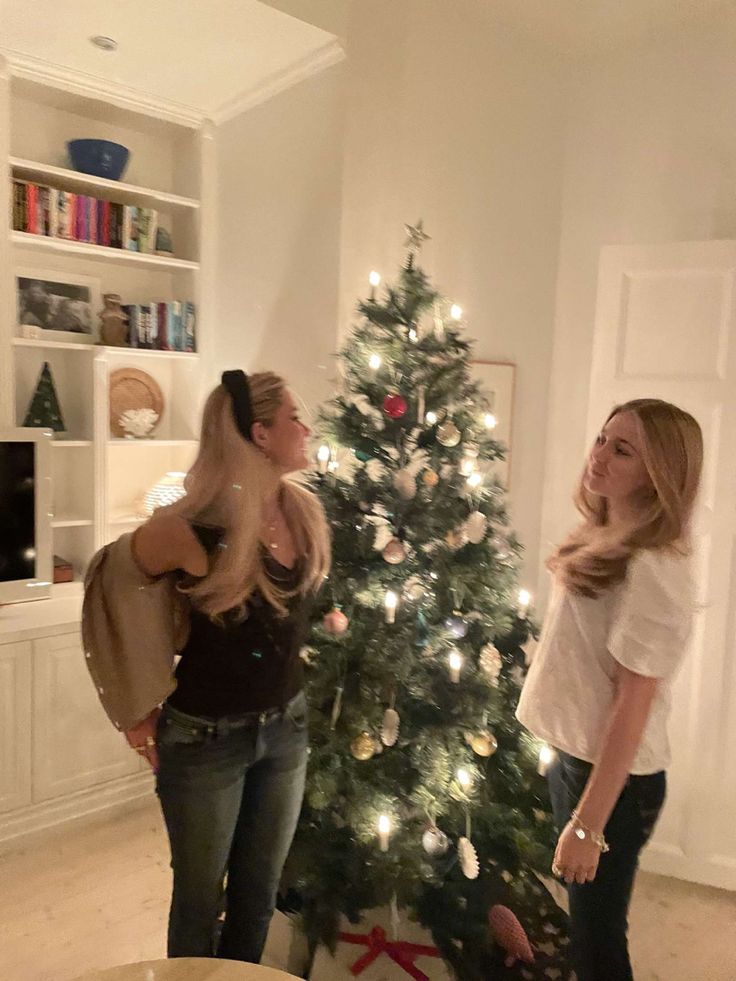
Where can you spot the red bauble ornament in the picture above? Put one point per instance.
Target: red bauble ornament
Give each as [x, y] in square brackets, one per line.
[394, 406]
[335, 622]
[509, 934]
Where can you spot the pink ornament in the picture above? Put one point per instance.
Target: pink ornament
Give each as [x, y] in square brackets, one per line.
[394, 406]
[335, 622]
[509, 934]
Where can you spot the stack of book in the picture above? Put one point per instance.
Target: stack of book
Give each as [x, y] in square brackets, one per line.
[43, 210]
[163, 326]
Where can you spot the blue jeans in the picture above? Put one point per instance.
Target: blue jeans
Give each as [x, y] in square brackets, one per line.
[599, 909]
[231, 790]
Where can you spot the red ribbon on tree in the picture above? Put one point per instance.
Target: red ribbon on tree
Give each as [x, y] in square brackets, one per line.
[400, 951]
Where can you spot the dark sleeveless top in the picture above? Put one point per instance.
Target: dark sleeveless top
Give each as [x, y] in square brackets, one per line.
[243, 665]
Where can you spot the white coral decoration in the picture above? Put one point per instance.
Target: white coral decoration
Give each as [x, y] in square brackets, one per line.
[468, 858]
[491, 663]
[390, 728]
[476, 527]
[138, 422]
[405, 484]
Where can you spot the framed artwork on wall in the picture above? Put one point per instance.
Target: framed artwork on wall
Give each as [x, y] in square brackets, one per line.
[496, 379]
[57, 306]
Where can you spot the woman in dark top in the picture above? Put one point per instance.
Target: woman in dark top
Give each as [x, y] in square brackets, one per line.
[229, 746]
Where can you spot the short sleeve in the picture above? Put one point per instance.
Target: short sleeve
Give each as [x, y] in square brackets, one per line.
[653, 619]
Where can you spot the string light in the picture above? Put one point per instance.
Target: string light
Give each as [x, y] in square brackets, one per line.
[546, 757]
[455, 660]
[374, 362]
[475, 479]
[464, 779]
[384, 831]
[413, 336]
[456, 311]
[490, 420]
[374, 278]
[525, 598]
[323, 458]
[390, 602]
[431, 418]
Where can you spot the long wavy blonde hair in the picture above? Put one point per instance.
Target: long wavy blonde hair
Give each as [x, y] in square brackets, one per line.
[596, 554]
[227, 486]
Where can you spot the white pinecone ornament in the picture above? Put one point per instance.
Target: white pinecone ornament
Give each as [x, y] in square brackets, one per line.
[390, 727]
[468, 858]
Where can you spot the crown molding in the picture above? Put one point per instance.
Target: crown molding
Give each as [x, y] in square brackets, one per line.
[92, 86]
[318, 61]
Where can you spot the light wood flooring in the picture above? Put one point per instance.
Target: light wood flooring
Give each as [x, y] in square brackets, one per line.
[95, 893]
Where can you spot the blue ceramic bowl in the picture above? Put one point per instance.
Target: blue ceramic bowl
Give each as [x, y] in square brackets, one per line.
[101, 158]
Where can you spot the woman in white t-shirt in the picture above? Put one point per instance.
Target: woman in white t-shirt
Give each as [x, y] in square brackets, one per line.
[598, 689]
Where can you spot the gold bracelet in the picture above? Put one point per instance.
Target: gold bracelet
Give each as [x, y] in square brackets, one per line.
[583, 832]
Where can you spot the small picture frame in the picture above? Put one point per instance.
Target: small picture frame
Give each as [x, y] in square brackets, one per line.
[57, 306]
[497, 386]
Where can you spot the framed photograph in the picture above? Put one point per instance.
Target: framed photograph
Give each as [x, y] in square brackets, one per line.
[497, 384]
[57, 306]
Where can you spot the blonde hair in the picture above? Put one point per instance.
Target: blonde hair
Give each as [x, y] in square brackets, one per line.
[227, 486]
[596, 554]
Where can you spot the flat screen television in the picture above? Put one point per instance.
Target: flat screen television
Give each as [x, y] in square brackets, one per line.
[26, 555]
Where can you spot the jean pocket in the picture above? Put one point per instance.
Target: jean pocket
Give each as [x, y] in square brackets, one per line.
[175, 731]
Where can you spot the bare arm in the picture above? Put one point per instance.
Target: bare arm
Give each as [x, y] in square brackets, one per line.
[578, 859]
[628, 718]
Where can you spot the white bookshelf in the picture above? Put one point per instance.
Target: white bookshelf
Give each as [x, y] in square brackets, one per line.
[98, 479]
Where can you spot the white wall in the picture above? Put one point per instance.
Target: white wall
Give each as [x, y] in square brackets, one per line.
[279, 174]
[458, 121]
[650, 157]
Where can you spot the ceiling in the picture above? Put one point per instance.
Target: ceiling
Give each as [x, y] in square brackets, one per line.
[215, 58]
[211, 57]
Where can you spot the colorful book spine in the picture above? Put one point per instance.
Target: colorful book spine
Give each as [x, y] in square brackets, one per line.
[130, 228]
[189, 318]
[65, 212]
[32, 208]
[147, 228]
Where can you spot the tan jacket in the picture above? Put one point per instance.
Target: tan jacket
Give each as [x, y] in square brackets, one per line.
[132, 626]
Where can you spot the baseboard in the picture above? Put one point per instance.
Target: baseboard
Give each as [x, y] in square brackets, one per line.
[719, 872]
[38, 817]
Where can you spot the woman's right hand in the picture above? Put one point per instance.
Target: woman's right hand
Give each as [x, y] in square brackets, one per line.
[142, 738]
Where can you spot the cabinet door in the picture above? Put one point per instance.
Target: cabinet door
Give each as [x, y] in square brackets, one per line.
[15, 725]
[75, 744]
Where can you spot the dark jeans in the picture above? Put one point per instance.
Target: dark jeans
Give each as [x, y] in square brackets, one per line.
[599, 909]
[231, 791]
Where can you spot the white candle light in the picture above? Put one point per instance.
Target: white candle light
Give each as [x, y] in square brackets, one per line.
[455, 660]
[413, 336]
[475, 479]
[323, 458]
[464, 779]
[390, 602]
[431, 418]
[490, 420]
[374, 362]
[525, 598]
[374, 279]
[384, 831]
[456, 311]
[546, 756]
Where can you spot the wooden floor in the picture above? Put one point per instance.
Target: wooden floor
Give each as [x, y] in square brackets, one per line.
[95, 894]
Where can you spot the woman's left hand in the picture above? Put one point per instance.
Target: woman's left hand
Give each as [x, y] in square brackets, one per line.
[576, 859]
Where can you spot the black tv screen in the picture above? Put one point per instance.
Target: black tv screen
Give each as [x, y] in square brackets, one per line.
[17, 511]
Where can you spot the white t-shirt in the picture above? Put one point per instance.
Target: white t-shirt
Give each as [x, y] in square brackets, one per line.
[644, 623]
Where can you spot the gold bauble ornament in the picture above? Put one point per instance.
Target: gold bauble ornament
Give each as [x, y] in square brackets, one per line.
[363, 747]
[430, 478]
[483, 743]
[395, 552]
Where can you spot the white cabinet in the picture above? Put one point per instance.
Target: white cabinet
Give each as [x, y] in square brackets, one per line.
[75, 745]
[15, 725]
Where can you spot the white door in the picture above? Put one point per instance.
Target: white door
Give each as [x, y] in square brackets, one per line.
[665, 327]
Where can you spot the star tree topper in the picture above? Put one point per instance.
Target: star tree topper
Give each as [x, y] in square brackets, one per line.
[415, 235]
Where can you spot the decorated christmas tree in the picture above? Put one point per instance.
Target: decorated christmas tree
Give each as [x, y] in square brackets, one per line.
[44, 409]
[424, 793]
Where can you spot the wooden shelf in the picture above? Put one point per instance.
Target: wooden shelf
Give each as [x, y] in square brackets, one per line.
[122, 352]
[121, 441]
[71, 444]
[72, 180]
[71, 523]
[100, 253]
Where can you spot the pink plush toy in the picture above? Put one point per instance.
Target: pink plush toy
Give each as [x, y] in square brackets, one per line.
[509, 934]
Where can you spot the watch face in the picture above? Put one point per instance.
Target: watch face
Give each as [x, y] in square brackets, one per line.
[580, 833]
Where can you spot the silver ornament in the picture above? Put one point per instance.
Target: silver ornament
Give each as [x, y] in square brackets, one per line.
[448, 434]
[435, 842]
